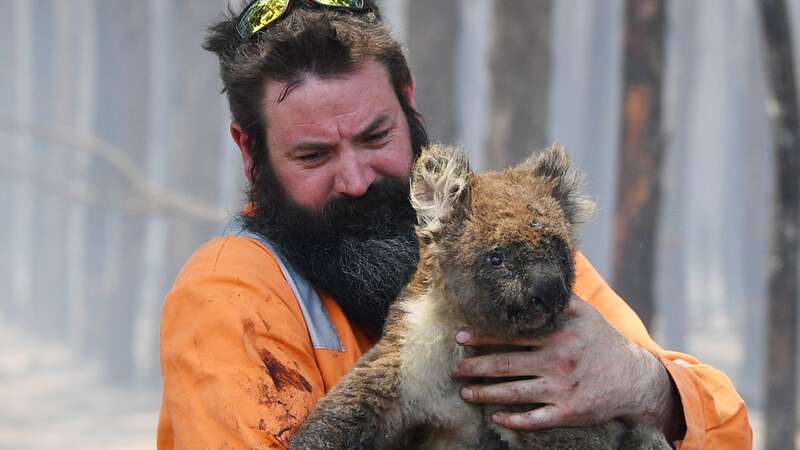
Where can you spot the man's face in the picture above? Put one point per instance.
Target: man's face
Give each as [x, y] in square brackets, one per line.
[334, 196]
[334, 137]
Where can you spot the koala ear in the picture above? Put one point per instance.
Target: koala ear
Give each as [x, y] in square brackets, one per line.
[554, 164]
[439, 185]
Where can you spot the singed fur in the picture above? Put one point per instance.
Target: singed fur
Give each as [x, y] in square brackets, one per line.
[497, 255]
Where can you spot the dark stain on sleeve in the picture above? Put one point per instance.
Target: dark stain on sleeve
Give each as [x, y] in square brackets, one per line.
[266, 325]
[282, 430]
[282, 418]
[249, 328]
[283, 376]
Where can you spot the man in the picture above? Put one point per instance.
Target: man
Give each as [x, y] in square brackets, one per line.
[264, 320]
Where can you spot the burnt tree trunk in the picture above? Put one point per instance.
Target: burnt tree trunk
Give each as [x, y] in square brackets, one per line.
[432, 48]
[51, 289]
[22, 211]
[783, 275]
[682, 50]
[520, 80]
[160, 53]
[9, 174]
[121, 121]
[77, 220]
[47, 250]
[641, 155]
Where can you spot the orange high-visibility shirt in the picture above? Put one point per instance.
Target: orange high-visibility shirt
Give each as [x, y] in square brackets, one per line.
[242, 369]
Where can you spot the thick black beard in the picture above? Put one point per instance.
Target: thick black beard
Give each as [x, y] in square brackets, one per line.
[363, 250]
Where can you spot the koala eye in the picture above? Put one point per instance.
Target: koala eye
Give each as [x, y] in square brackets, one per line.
[495, 259]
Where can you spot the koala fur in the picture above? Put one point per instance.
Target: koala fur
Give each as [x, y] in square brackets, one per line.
[497, 255]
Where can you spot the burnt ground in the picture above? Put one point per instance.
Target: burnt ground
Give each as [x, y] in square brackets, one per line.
[52, 400]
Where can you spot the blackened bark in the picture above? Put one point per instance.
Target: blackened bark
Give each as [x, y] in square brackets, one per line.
[783, 269]
[520, 80]
[642, 151]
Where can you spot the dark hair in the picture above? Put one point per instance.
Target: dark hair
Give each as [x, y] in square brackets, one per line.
[309, 40]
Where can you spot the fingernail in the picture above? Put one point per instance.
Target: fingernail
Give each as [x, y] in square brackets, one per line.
[462, 337]
[466, 393]
[496, 418]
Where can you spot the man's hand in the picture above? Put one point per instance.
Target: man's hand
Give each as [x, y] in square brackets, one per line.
[586, 373]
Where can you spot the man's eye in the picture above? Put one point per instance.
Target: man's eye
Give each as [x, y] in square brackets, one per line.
[377, 137]
[310, 157]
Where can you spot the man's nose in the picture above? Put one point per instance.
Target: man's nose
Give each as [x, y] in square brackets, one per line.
[354, 175]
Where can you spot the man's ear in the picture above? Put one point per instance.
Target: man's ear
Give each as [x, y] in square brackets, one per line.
[554, 165]
[242, 140]
[440, 186]
[408, 91]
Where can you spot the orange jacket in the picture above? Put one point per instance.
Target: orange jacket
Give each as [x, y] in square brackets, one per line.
[242, 370]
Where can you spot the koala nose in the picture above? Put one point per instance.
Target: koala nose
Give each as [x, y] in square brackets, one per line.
[546, 289]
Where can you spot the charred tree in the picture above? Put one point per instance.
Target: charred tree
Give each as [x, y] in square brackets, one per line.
[83, 122]
[432, 43]
[672, 255]
[520, 80]
[21, 214]
[160, 53]
[121, 121]
[782, 110]
[641, 156]
[9, 175]
[754, 230]
[51, 292]
[47, 303]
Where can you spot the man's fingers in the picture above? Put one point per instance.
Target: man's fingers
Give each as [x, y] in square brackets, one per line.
[510, 364]
[547, 416]
[469, 338]
[535, 390]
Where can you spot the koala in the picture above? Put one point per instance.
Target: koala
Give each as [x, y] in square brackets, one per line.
[497, 255]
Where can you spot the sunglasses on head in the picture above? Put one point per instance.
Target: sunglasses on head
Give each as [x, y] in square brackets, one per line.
[261, 13]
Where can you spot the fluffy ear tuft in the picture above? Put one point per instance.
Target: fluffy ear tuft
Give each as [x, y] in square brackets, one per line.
[554, 164]
[439, 185]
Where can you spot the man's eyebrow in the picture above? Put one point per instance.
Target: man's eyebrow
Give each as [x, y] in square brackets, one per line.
[373, 126]
[315, 146]
[361, 136]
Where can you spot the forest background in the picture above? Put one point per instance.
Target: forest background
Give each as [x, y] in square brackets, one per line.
[117, 164]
